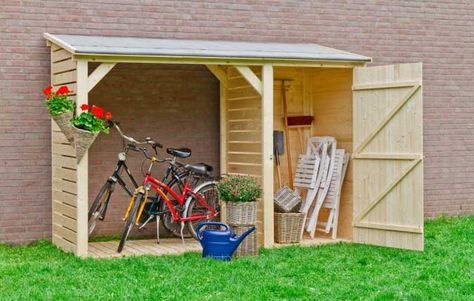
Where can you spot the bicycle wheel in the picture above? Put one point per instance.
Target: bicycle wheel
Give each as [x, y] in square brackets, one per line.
[168, 223]
[97, 207]
[130, 221]
[209, 192]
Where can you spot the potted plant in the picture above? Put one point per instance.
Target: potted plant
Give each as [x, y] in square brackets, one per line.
[240, 194]
[61, 109]
[87, 126]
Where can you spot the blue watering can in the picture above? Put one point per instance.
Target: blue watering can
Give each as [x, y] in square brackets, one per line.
[219, 243]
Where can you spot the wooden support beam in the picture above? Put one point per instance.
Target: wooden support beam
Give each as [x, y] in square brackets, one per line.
[267, 154]
[99, 74]
[218, 72]
[150, 59]
[253, 79]
[82, 167]
[223, 127]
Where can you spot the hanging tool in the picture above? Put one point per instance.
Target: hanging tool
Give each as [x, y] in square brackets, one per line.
[287, 133]
[278, 149]
[300, 123]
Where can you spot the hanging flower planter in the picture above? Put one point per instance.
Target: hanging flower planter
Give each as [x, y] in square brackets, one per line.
[61, 109]
[63, 121]
[81, 130]
[82, 141]
[87, 126]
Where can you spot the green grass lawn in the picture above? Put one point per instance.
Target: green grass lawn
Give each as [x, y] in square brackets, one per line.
[445, 271]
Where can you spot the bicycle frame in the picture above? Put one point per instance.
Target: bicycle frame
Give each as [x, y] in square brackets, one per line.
[117, 177]
[151, 183]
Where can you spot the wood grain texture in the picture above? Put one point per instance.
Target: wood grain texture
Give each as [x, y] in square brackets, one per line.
[64, 176]
[243, 123]
[388, 186]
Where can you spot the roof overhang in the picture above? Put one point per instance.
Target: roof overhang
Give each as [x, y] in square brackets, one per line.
[145, 50]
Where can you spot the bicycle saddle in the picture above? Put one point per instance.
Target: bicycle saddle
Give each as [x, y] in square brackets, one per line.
[179, 152]
[199, 168]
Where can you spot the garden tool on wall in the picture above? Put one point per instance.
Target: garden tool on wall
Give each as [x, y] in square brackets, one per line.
[278, 149]
[300, 123]
[287, 132]
[293, 122]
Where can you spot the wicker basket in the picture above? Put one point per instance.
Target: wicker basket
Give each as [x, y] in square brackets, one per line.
[248, 246]
[286, 200]
[241, 214]
[82, 141]
[63, 121]
[288, 227]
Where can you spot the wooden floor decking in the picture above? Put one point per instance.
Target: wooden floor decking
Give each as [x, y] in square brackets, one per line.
[171, 246]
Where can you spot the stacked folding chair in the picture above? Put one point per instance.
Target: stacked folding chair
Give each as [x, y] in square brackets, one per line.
[319, 176]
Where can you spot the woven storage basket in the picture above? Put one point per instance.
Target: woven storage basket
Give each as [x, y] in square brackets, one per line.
[63, 121]
[241, 214]
[82, 141]
[248, 246]
[286, 200]
[288, 227]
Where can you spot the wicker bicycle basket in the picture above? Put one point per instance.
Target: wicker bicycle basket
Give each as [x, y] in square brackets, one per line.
[241, 214]
[288, 227]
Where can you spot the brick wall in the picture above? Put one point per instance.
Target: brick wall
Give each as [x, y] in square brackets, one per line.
[439, 33]
[177, 105]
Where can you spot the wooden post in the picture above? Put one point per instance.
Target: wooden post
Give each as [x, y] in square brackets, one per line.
[223, 131]
[267, 154]
[82, 167]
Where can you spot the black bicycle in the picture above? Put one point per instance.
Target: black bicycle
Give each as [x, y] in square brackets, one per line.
[175, 176]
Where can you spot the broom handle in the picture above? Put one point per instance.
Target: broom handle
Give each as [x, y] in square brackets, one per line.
[287, 134]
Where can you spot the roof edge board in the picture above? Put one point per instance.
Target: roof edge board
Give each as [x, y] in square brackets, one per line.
[197, 58]
[110, 58]
[59, 42]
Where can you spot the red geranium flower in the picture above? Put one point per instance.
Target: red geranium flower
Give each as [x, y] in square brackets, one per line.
[108, 115]
[85, 107]
[47, 91]
[63, 90]
[97, 112]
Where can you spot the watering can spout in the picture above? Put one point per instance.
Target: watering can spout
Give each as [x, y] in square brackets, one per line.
[238, 239]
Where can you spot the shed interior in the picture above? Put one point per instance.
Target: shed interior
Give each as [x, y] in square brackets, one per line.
[325, 94]
[179, 106]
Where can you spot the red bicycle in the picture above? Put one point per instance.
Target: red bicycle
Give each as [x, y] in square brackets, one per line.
[200, 203]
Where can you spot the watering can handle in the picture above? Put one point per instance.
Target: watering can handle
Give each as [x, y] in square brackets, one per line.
[198, 228]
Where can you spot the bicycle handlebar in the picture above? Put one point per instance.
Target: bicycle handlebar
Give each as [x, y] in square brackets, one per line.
[133, 145]
[133, 141]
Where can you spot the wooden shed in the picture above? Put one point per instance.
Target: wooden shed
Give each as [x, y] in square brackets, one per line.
[375, 113]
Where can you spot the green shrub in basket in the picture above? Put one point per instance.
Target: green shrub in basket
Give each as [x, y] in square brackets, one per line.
[239, 189]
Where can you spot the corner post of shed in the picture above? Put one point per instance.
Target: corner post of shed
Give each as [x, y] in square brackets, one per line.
[83, 165]
[267, 154]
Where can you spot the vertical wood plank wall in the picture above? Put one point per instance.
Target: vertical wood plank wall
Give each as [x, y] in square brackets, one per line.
[244, 148]
[332, 108]
[326, 94]
[64, 177]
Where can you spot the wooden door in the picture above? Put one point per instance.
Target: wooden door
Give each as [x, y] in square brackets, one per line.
[388, 156]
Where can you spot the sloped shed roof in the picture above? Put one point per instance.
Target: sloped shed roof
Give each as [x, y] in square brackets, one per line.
[131, 46]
